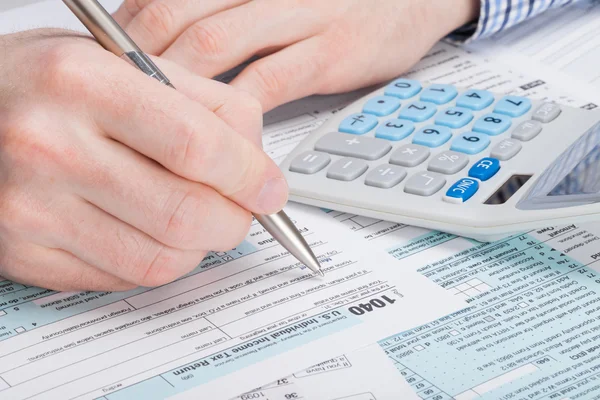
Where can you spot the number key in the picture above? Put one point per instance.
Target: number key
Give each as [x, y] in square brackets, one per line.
[432, 136]
[492, 124]
[513, 106]
[381, 105]
[418, 111]
[395, 129]
[358, 124]
[439, 94]
[470, 143]
[454, 117]
[403, 88]
[475, 99]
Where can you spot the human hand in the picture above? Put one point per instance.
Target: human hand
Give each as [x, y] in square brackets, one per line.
[109, 179]
[309, 46]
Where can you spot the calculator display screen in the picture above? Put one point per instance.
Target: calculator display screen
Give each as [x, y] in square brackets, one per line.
[584, 178]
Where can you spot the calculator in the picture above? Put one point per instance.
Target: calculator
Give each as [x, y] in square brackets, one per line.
[464, 161]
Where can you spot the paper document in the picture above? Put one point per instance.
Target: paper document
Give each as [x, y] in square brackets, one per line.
[366, 374]
[561, 45]
[243, 318]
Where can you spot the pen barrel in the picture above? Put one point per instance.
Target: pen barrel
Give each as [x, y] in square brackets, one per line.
[145, 64]
[104, 28]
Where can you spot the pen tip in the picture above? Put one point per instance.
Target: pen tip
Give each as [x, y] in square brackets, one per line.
[320, 273]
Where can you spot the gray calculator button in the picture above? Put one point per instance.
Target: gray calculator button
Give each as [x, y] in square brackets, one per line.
[425, 183]
[448, 162]
[385, 176]
[547, 112]
[506, 149]
[348, 145]
[409, 155]
[347, 169]
[310, 162]
[527, 130]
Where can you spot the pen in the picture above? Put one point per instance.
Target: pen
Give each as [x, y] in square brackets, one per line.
[114, 39]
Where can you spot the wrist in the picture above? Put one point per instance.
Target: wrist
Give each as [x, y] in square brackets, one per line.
[449, 15]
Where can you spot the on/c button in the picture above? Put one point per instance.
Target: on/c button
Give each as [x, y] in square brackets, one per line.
[485, 168]
[461, 191]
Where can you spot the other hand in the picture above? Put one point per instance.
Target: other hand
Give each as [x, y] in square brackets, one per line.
[307, 46]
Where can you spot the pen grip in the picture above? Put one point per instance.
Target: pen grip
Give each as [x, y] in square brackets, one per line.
[141, 61]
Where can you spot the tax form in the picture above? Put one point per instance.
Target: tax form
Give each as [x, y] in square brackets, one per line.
[365, 374]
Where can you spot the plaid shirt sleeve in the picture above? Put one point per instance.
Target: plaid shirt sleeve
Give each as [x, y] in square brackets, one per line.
[498, 15]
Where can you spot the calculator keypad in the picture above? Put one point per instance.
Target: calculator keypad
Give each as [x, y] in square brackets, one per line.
[513, 106]
[506, 149]
[395, 129]
[527, 130]
[409, 155]
[418, 111]
[432, 136]
[352, 146]
[347, 169]
[310, 162]
[448, 162]
[382, 105]
[425, 183]
[471, 143]
[421, 119]
[454, 117]
[492, 124]
[485, 168]
[403, 88]
[439, 94]
[461, 191]
[385, 176]
[358, 124]
[475, 100]
[546, 113]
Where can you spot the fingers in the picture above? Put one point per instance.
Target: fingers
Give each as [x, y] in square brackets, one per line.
[117, 248]
[174, 211]
[218, 43]
[225, 101]
[292, 73]
[175, 131]
[154, 25]
[57, 270]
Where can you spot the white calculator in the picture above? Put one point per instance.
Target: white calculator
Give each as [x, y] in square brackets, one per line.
[468, 162]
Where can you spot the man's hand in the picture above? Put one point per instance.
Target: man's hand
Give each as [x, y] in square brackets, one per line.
[109, 179]
[309, 46]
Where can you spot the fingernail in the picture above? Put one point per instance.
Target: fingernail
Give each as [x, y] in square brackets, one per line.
[273, 196]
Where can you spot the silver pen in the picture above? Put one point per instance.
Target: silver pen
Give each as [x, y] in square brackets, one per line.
[114, 39]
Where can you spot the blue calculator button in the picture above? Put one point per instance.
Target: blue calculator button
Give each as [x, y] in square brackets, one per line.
[454, 117]
[475, 99]
[403, 88]
[485, 168]
[462, 190]
[395, 129]
[513, 106]
[492, 124]
[439, 94]
[381, 105]
[470, 143]
[418, 111]
[432, 136]
[358, 124]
